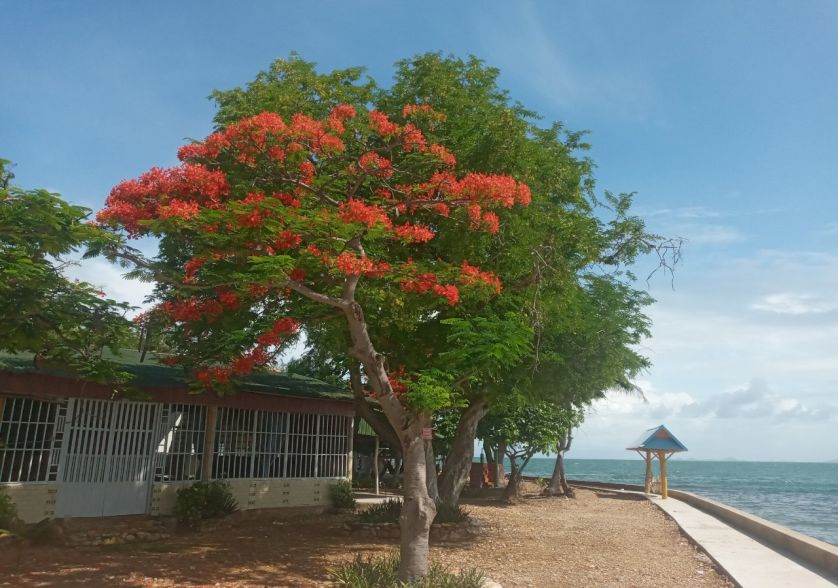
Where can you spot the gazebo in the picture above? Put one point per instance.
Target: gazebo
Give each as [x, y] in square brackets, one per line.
[657, 442]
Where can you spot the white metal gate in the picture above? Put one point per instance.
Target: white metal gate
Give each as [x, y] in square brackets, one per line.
[106, 461]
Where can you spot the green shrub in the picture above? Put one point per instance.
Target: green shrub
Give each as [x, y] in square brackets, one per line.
[451, 513]
[383, 572]
[341, 495]
[8, 513]
[391, 510]
[204, 500]
[386, 512]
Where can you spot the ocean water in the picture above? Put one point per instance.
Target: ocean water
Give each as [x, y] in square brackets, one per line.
[800, 496]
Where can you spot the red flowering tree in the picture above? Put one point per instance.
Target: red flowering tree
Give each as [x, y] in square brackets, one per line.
[270, 224]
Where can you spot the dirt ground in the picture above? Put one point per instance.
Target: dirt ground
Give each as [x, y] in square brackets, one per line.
[599, 539]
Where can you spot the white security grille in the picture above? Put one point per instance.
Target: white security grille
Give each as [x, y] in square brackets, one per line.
[302, 446]
[271, 432]
[109, 441]
[267, 444]
[181, 442]
[333, 446]
[31, 432]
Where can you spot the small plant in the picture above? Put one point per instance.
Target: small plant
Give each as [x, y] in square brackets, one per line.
[383, 572]
[541, 483]
[362, 482]
[341, 495]
[204, 500]
[450, 513]
[386, 512]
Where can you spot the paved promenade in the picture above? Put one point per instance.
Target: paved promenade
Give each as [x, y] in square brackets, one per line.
[752, 564]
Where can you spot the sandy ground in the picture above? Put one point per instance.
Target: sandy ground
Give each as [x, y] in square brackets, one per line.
[599, 539]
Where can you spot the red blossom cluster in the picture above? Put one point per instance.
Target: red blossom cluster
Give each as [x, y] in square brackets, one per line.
[357, 265]
[443, 154]
[375, 165]
[412, 233]
[356, 211]
[283, 326]
[428, 282]
[471, 275]
[191, 268]
[257, 356]
[399, 381]
[164, 193]
[192, 309]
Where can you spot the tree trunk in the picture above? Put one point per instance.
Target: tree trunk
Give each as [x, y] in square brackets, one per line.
[496, 471]
[418, 510]
[430, 471]
[558, 483]
[513, 487]
[457, 469]
[381, 426]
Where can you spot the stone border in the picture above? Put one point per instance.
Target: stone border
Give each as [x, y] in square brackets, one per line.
[819, 554]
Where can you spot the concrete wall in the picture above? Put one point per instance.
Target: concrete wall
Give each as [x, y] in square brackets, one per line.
[34, 502]
[254, 494]
[819, 554]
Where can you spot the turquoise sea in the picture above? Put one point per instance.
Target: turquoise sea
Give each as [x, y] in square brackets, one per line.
[801, 496]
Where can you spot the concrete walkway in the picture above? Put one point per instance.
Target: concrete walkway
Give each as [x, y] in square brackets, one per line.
[752, 564]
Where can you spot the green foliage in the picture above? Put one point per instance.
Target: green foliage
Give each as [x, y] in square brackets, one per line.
[341, 494]
[383, 572]
[9, 520]
[290, 86]
[204, 500]
[451, 513]
[64, 322]
[388, 511]
[527, 428]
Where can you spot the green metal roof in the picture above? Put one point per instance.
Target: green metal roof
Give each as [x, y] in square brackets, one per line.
[658, 439]
[150, 373]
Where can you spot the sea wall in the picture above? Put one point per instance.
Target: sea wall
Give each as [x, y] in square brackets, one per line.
[816, 553]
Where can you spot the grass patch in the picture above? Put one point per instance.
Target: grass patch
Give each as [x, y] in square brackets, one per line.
[383, 572]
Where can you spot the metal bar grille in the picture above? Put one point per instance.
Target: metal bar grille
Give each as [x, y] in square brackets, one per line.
[180, 445]
[234, 443]
[89, 442]
[302, 446]
[268, 444]
[333, 446]
[131, 438]
[28, 439]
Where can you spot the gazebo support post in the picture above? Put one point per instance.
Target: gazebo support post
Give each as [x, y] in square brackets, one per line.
[664, 484]
[647, 485]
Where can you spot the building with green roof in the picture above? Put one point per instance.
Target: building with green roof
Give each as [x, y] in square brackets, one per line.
[71, 448]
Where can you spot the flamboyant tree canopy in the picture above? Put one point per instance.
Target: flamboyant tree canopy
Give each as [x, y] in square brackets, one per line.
[269, 221]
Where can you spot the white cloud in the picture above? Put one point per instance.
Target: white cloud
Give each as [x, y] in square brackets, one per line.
[711, 234]
[109, 278]
[756, 400]
[793, 303]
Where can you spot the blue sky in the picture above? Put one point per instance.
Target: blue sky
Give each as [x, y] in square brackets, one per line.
[721, 116]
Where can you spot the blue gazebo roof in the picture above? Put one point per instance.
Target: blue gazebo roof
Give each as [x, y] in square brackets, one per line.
[657, 439]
